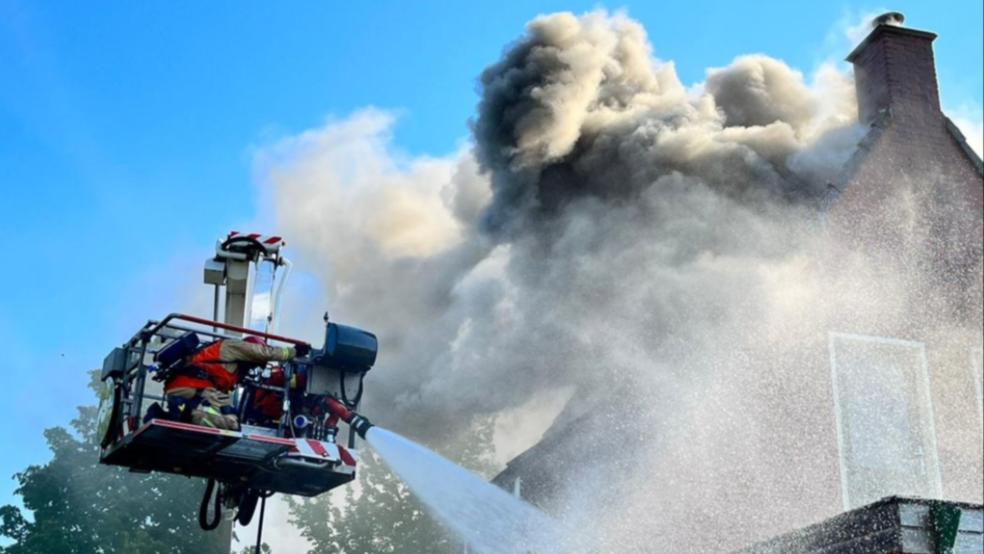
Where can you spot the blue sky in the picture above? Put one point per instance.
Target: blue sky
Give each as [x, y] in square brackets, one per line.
[126, 132]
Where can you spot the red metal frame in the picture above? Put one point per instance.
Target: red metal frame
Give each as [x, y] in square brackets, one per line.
[276, 463]
[226, 326]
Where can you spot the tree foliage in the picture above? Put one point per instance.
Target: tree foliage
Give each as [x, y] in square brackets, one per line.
[74, 505]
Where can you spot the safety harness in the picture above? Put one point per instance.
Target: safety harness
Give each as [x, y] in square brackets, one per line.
[206, 366]
[186, 363]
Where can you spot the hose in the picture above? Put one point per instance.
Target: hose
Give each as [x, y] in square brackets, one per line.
[203, 521]
[358, 396]
[358, 423]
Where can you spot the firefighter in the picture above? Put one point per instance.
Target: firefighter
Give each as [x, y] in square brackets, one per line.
[265, 407]
[200, 390]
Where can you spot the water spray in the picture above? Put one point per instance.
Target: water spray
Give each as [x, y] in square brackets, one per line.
[488, 519]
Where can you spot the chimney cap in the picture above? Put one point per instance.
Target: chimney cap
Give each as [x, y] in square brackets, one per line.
[890, 24]
[888, 18]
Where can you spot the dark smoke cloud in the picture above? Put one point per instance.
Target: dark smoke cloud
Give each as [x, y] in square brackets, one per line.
[596, 179]
[579, 107]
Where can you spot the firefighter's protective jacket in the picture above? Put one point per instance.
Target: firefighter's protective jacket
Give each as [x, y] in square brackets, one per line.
[218, 364]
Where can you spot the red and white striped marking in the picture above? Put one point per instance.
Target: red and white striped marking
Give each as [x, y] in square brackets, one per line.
[317, 449]
[348, 457]
[328, 451]
[272, 243]
[309, 448]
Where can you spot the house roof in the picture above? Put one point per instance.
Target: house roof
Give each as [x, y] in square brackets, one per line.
[568, 431]
[875, 132]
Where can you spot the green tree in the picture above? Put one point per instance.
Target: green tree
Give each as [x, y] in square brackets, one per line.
[378, 513]
[75, 505]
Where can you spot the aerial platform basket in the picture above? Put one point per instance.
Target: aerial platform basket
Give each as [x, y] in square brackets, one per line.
[305, 467]
[271, 459]
[288, 440]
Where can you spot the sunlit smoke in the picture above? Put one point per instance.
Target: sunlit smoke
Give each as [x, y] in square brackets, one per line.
[612, 233]
[611, 193]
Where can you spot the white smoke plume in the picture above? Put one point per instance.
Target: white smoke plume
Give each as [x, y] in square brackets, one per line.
[608, 232]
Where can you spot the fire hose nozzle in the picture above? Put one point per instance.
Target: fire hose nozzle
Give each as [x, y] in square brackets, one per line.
[356, 421]
[361, 425]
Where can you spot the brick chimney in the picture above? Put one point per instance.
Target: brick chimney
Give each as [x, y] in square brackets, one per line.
[894, 70]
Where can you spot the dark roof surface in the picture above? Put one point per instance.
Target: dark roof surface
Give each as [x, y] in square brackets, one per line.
[962, 141]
